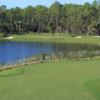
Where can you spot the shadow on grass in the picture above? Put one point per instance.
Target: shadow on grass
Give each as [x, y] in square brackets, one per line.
[94, 88]
[9, 73]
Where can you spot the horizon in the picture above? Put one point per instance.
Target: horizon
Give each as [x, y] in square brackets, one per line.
[47, 3]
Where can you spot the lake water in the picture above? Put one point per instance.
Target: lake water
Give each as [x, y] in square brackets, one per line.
[12, 52]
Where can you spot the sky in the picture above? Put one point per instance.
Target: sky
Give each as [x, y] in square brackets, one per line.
[25, 3]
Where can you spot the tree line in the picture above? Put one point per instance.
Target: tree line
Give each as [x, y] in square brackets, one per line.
[74, 19]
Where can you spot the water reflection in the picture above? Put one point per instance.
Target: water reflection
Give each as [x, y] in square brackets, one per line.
[11, 52]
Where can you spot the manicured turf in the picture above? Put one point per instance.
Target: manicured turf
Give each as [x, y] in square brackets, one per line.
[58, 39]
[63, 80]
[94, 87]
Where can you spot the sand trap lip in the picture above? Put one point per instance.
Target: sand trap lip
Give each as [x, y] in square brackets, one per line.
[97, 36]
[78, 37]
[10, 37]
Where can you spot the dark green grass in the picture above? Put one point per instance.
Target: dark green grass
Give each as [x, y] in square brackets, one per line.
[94, 88]
[10, 72]
[64, 80]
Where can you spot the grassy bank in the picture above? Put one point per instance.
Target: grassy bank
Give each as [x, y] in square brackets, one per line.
[58, 39]
[64, 80]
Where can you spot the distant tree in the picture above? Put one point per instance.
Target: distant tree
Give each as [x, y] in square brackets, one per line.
[55, 12]
[41, 18]
[74, 19]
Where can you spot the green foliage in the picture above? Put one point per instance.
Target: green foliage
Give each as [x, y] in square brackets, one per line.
[2, 35]
[67, 18]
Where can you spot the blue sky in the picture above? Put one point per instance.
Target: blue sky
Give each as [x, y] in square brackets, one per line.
[25, 3]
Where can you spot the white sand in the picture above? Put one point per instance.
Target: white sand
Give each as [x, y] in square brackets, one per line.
[10, 37]
[97, 36]
[78, 37]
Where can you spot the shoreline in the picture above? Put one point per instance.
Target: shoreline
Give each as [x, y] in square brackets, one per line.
[33, 61]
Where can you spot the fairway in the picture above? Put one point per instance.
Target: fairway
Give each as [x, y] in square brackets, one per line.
[64, 80]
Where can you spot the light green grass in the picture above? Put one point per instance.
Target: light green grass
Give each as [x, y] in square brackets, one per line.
[58, 39]
[64, 80]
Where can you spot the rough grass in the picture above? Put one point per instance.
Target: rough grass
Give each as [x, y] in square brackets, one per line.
[64, 80]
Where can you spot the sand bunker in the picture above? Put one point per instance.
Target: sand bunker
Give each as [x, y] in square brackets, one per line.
[10, 37]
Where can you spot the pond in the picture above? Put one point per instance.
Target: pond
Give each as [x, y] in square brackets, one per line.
[12, 52]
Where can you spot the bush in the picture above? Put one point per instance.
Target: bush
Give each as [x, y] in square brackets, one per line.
[2, 35]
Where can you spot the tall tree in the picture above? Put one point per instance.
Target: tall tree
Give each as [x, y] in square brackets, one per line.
[55, 12]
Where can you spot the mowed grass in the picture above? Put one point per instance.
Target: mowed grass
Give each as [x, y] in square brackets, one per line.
[53, 80]
[57, 39]
[94, 87]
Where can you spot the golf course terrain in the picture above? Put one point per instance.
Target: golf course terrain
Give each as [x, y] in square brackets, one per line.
[68, 79]
[64, 80]
[49, 50]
